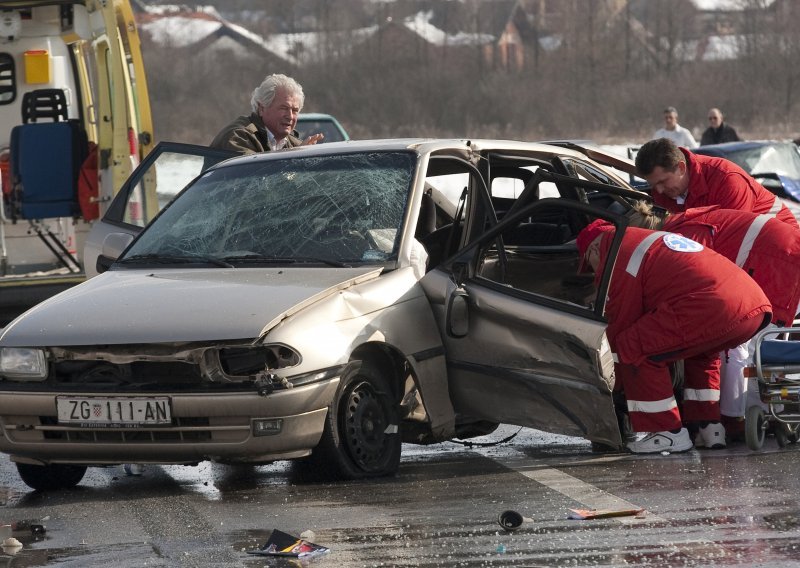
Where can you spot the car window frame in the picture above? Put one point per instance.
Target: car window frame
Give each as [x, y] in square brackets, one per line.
[464, 264]
[115, 214]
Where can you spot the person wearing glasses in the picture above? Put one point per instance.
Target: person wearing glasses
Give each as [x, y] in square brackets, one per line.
[717, 131]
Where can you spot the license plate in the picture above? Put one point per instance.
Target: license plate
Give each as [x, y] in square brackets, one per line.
[113, 411]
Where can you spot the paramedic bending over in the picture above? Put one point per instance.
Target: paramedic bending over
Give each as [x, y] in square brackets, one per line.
[680, 180]
[656, 318]
[768, 250]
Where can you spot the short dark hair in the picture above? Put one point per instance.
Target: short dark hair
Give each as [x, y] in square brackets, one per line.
[670, 110]
[661, 152]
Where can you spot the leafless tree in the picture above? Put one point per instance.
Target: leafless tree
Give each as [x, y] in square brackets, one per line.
[606, 73]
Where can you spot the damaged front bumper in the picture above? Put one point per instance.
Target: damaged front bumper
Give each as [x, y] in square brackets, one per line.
[227, 425]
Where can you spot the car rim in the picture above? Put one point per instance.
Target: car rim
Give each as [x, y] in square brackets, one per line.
[365, 423]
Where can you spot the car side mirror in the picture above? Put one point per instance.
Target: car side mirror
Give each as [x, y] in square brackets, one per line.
[458, 313]
[113, 245]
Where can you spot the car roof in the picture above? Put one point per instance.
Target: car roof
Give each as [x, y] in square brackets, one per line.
[315, 116]
[420, 145]
[461, 148]
[725, 147]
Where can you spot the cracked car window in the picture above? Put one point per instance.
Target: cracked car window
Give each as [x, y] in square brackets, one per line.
[344, 208]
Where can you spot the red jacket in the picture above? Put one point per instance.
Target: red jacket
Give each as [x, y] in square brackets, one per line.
[766, 248]
[663, 299]
[717, 181]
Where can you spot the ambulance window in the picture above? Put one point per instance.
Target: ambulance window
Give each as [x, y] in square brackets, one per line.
[8, 79]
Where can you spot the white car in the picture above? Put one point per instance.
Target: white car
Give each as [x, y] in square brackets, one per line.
[325, 303]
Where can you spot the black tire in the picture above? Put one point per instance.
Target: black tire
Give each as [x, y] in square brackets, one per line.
[362, 430]
[785, 434]
[51, 477]
[755, 427]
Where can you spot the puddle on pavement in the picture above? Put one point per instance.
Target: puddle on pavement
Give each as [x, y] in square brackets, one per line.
[216, 482]
[120, 556]
[404, 545]
[785, 521]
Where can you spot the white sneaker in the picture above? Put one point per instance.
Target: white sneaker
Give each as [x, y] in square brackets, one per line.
[652, 442]
[710, 436]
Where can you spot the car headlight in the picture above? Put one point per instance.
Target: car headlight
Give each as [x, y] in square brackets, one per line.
[250, 360]
[23, 364]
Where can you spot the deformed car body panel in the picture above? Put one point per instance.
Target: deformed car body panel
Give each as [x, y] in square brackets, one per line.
[527, 364]
[392, 312]
[173, 306]
[532, 351]
[217, 427]
[313, 254]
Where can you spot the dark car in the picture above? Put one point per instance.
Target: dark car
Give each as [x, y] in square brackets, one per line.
[776, 165]
[313, 122]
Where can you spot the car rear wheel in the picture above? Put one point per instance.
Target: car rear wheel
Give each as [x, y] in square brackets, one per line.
[51, 477]
[362, 430]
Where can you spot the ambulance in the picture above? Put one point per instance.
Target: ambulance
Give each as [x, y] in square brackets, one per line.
[74, 121]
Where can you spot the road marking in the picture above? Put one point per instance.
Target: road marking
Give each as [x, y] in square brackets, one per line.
[588, 495]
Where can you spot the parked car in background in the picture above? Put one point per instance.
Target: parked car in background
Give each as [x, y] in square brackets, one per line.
[776, 165]
[280, 307]
[313, 122]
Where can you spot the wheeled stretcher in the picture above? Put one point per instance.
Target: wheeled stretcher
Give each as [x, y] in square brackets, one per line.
[776, 368]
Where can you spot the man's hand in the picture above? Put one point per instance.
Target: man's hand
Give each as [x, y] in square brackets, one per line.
[313, 139]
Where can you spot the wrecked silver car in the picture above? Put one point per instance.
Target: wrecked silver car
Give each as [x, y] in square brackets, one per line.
[326, 304]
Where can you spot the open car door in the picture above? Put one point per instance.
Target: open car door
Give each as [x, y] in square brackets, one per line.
[166, 170]
[524, 333]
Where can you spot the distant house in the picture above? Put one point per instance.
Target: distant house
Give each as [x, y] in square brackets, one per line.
[506, 34]
[203, 31]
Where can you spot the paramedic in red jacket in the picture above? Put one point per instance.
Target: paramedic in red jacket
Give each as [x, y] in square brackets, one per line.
[767, 249]
[671, 299]
[680, 180]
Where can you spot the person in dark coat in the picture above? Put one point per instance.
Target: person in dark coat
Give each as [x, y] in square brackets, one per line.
[717, 131]
[275, 103]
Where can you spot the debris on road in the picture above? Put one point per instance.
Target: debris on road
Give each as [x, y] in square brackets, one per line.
[280, 543]
[11, 545]
[584, 514]
[511, 520]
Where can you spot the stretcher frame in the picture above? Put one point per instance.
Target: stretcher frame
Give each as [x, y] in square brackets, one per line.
[776, 368]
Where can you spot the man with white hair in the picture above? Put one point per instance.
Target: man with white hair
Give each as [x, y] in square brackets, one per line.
[275, 104]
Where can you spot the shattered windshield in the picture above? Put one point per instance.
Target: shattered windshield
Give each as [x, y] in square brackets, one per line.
[781, 159]
[335, 210]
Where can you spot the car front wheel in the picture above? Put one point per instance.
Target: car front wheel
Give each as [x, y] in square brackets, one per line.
[51, 477]
[362, 430]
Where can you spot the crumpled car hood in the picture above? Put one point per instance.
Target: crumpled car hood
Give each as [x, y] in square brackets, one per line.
[147, 306]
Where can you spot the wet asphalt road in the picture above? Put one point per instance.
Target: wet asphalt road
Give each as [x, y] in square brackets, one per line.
[728, 507]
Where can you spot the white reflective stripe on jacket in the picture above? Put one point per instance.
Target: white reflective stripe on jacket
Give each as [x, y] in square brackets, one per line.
[635, 261]
[701, 395]
[652, 406]
[750, 237]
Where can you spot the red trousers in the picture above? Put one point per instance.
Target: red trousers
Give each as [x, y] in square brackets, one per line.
[648, 387]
